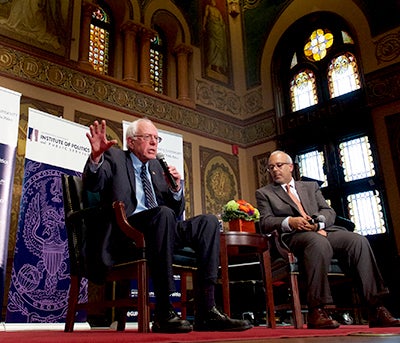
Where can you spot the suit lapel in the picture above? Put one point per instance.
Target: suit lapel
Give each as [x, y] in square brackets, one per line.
[131, 170]
[279, 191]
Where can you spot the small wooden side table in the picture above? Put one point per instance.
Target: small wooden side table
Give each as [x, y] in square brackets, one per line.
[231, 242]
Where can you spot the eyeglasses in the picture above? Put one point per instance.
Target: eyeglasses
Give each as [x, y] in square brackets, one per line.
[271, 167]
[148, 138]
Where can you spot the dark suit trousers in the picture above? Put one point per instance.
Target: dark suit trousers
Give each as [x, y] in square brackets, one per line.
[164, 234]
[354, 253]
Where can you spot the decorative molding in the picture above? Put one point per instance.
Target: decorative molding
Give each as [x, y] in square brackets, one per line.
[101, 90]
[218, 98]
[383, 86]
[388, 47]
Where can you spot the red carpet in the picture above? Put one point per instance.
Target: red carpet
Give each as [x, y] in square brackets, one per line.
[132, 335]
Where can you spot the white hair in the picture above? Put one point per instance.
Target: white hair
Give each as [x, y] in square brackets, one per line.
[288, 158]
[132, 129]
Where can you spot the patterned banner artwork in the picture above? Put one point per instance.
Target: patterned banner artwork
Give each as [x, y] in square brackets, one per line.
[40, 276]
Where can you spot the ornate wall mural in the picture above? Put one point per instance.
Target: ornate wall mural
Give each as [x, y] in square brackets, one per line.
[215, 42]
[43, 24]
[219, 178]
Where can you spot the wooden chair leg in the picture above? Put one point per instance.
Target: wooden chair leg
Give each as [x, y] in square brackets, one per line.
[184, 300]
[296, 306]
[72, 302]
[143, 299]
[271, 322]
[225, 276]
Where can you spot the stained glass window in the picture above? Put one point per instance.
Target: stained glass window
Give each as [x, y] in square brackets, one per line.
[356, 158]
[303, 90]
[156, 64]
[347, 38]
[343, 76]
[364, 207]
[99, 41]
[311, 165]
[366, 212]
[319, 42]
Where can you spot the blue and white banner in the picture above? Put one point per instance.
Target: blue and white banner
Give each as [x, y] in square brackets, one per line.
[40, 276]
[9, 121]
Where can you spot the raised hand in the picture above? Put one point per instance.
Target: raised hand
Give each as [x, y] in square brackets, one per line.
[98, 140]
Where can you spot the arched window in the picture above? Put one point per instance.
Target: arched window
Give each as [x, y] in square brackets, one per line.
[324, 120]
[303, 90]
[99, 41]
[157, 64]
[343, 75]
[340, 76]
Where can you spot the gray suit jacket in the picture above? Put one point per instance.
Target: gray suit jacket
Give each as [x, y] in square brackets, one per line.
[275, 205]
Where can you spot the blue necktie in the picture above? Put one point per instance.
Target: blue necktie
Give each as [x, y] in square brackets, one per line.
[150, 202]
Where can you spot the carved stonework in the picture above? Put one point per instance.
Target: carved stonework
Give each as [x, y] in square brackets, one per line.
[383, 86]
[97, 89]
[388, 47]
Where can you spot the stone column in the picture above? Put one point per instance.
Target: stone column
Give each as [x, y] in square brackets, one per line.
[131, 56]
[86, 17]
[145, 36]
[182, 53]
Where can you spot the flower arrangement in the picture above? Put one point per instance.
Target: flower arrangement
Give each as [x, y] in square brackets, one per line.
[239, 209]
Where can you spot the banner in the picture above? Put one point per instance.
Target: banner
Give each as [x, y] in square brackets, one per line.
[9, 121]
[40, 276]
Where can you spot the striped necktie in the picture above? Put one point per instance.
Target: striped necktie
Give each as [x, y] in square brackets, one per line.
[296, 201]
[150, 202]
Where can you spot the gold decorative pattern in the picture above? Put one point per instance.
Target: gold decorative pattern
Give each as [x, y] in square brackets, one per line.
[188, 171]
[219, 178]
[60, 78]
[260, 167]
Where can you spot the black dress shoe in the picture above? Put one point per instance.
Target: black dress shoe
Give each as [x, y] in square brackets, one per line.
[319, 319]
[171, 322]
[381, 318]
[213, 320]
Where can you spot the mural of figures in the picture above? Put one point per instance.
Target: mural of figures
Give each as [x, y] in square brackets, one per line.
[215, 40]
[41, 22]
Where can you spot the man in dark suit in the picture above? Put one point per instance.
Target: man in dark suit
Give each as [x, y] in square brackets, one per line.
[289, 207]
[152, 206]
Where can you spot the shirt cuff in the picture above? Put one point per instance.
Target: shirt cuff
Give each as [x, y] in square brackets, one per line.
[285, 225]
[93, 166]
